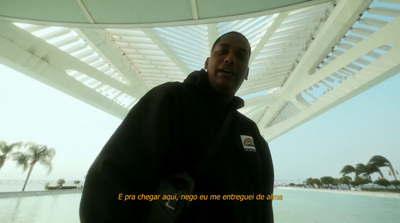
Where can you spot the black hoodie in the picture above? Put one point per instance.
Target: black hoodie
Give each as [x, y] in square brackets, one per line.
[167, 132]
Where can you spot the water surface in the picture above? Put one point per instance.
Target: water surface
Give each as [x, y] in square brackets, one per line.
[297, 206]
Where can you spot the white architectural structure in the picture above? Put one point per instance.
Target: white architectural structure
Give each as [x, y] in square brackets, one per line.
[307, 56]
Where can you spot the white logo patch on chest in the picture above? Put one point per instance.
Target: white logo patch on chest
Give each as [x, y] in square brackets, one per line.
[248, 143]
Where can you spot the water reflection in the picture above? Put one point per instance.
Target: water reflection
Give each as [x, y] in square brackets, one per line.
[296, 207]
[62, 208]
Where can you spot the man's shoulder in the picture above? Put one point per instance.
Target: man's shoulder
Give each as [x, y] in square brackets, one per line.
[167, 89]
[171, 93]
[246, 120]
[247, 124]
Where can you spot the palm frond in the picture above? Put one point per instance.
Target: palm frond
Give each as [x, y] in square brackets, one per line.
[47, 163]
[22, 160]
[379, 161]
[347, 169]
[7, 148]
[40, 153]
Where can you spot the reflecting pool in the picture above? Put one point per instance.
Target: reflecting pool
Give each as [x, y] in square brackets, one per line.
[297, 206]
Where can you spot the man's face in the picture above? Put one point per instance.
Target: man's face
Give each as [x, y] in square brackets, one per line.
[227, 66]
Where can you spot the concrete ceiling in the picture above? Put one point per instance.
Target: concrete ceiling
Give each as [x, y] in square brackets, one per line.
[307, 56]
[145, 13]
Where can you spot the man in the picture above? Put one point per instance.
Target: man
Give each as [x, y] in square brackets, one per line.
[169, 130]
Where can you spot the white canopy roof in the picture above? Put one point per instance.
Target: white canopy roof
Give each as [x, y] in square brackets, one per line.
[307, 56]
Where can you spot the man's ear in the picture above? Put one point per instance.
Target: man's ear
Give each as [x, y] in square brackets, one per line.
[206, 63]
[247, 74]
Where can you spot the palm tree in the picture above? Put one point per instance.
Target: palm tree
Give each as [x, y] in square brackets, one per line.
[370, 169]
[313, 182]
[60, 182]
[348, 169]
[380, 161]
[5, 149]
[345, 180]
[362, 169]
[77, 182]
[359, 181]
[34, 154]
[395, 183]
[327, 181]
[383, 182]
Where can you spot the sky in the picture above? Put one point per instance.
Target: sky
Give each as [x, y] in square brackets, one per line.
[350, 133]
